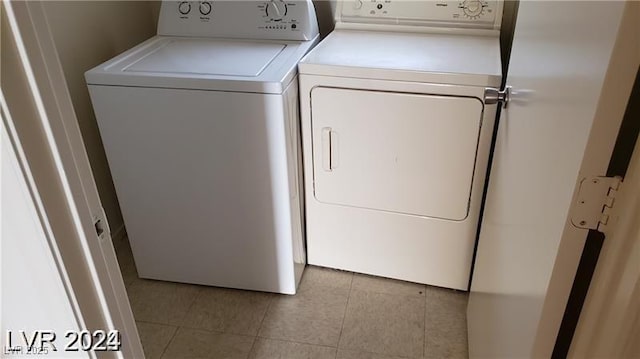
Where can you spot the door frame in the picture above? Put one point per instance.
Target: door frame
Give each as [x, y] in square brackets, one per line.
[54, 147]
[609, 324]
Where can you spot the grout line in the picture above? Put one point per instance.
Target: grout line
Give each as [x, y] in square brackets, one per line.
[298, 342]
[175, 332]
[266, 312]
[424, 322]
[214, 331]
[379, 354]
[193, 303]
[344, 316]
[253, 344]
[426, 305]
[156, 323]
[207, 331]
[295, 342]
[179, 326]
[217, 331]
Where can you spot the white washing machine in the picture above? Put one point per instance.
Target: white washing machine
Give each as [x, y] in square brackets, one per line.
[396, 137]
[200, 128]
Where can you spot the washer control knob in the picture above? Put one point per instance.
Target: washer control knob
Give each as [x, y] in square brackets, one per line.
[205, 7]
[276, 9]
[184, 7]
[357, 4]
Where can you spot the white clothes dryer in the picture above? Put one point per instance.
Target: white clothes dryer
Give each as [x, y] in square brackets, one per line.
[396, 137]
[200, 128]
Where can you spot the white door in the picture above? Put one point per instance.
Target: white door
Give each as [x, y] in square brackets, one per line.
[528, 251]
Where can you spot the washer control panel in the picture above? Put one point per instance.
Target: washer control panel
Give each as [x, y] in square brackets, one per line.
[268, 19]
[485, 14]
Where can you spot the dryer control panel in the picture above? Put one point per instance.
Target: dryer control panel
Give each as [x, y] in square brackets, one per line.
[475, 14]
[269, 19]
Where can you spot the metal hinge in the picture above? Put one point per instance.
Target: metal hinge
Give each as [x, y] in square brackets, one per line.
[596, 198]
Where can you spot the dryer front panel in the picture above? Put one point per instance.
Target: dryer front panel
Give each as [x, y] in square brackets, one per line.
[396, 152]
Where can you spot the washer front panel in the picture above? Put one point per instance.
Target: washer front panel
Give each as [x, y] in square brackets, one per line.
[204, 180]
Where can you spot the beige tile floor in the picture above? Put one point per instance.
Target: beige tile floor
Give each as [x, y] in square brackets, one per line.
[335, 314]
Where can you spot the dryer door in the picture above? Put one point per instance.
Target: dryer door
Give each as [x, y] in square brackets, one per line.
[398, 152]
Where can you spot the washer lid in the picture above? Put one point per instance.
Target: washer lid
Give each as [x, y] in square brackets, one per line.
[208, 57]
[436, 58]
[260, 66]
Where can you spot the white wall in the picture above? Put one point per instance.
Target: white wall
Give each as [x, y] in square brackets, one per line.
[324, 11]
[509, 16]
[87, 33]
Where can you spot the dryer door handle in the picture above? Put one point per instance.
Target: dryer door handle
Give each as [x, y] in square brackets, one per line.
[329, 149]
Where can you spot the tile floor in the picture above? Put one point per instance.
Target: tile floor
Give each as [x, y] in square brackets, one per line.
[335, 314]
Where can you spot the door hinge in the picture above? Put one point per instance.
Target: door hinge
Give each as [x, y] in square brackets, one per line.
[596, 198]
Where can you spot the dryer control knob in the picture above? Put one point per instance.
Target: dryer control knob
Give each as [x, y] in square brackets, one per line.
[276, 9]
[184, 7]
[473, 9]
[205, 7]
